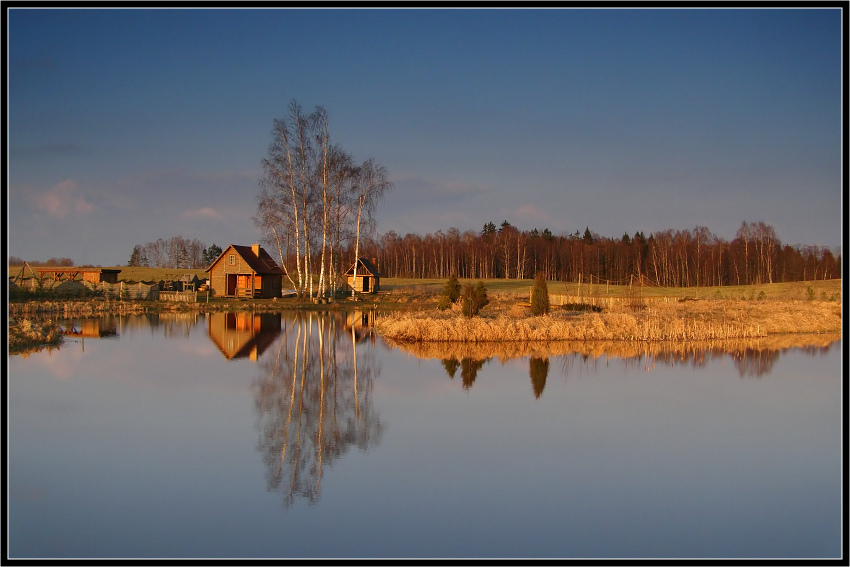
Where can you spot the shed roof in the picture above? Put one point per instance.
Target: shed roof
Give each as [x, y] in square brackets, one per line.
[367, 265]
[262, 264]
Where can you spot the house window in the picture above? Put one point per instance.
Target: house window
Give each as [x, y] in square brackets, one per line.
[233, 259]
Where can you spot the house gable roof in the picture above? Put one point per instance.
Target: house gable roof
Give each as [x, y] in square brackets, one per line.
[264, 264]
[367, 265]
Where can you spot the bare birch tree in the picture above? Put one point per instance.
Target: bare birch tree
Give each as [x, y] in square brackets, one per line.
[371, 182]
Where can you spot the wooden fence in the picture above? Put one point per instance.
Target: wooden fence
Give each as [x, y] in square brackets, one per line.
[187, 296]
[118, 290]
[604, 302]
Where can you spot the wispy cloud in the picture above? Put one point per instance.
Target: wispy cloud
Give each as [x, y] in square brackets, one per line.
[439, 187]
[203, 213]
[62, 199]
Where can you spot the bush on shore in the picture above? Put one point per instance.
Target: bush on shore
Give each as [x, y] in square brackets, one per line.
[539, 296]
[473, 299]
[450, 295]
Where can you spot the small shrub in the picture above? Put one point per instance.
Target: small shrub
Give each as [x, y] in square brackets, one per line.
[450, 295]
[473, 299]
[810, 293]
[539, 296]
[762, 295]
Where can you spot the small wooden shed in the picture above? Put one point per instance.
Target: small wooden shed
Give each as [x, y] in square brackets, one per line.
[189, 282]
[245, 272]
[368, 278]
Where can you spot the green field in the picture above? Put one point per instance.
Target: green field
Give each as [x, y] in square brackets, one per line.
[820, 290]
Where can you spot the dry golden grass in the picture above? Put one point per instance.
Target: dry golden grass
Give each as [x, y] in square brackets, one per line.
[675, 321]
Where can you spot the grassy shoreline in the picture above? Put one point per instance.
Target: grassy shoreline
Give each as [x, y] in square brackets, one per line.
[693, 320]
[410, 314]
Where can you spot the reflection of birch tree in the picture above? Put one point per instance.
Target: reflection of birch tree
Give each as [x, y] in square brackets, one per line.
[314, 401]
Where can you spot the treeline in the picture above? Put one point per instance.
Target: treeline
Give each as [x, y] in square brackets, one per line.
[50, 263]
[176, 252]
[670, 258]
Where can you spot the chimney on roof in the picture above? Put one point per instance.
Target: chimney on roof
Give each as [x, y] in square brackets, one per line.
[255, 248]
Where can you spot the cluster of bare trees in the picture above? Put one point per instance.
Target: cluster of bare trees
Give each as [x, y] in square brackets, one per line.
[49, 263]
[674, 258]
[315, 201]
[176, 252]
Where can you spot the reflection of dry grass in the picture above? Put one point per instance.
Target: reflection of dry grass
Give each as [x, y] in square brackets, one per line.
[26, 336]
[508, 350]
[692, 320]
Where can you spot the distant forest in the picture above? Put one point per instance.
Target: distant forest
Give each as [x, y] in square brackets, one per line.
[670, 258]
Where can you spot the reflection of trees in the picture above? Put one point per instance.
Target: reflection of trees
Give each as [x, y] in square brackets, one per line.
[451, 364]
[314, 401]
[469, 368]
[755, 362]
[538, 368]
[752, 357]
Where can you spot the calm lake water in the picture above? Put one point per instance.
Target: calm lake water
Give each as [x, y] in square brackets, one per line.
[294, 436]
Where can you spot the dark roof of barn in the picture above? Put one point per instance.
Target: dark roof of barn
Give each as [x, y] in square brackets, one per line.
[264, 264]
[367, 264]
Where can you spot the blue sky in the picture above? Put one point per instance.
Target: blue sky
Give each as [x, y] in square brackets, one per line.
[128, 125]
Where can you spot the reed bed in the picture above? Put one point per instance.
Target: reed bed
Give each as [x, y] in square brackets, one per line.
[686, 321]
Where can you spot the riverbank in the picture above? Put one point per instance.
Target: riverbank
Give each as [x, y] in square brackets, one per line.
[673, 321]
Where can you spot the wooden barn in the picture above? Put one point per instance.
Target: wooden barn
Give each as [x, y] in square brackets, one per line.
[245, 272]
[91, 275]
[368, 277]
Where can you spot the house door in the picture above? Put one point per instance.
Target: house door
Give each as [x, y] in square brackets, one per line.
[231, 285]
[243, 282]
[365, 284]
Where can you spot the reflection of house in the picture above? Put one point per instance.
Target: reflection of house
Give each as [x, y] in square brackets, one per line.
[361, 322]
[368, 277]
[245, 271]
[243, 334]
[92, 328]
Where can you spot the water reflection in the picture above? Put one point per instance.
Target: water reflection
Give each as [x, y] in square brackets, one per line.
[243, 334]
[752, 358]
[91, 328]
[538, 369]
[314, 402]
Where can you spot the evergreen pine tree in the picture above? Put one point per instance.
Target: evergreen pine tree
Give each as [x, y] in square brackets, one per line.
[539, 296]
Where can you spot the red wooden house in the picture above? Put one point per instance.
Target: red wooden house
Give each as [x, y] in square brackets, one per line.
[245, 272]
